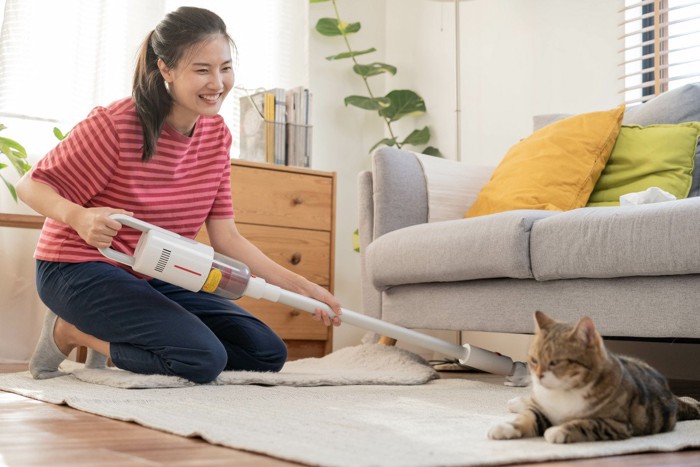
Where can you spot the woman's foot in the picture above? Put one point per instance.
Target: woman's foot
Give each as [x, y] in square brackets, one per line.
[48, 354]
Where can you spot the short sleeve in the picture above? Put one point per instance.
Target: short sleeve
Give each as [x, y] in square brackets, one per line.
[80, 166]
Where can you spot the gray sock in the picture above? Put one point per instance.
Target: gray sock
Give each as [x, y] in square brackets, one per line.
[95, 360]
[46, 358]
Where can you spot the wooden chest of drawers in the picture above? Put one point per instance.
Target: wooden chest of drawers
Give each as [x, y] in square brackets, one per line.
[289, 213]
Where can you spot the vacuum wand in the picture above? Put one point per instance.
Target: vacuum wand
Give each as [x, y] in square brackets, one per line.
[197, 267]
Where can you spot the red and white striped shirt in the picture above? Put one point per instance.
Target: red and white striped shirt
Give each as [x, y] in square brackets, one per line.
[99, 164]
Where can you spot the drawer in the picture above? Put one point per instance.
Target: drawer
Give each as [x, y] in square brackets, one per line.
[306, 252]
[288, 323]
[271, 197]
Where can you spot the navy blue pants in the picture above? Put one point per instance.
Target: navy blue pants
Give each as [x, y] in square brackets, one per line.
[158, 328]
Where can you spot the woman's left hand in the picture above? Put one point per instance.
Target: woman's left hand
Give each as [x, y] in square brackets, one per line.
[322, 295]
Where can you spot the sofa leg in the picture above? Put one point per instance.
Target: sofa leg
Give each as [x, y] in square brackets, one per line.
[384, 340]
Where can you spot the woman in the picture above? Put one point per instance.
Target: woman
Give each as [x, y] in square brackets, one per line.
[162, 156]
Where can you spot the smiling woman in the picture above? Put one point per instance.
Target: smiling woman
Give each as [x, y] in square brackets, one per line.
[61, 58]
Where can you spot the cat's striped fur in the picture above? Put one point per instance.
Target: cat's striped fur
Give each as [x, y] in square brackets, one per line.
[582, 392]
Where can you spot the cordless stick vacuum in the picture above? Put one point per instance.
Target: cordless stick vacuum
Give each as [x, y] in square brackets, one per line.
[197, 267]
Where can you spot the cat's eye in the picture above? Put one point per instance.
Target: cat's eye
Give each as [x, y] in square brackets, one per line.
[554, 363]
[533, 361]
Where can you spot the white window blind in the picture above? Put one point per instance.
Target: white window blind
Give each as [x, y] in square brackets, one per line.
[661, 46]
[61, 58]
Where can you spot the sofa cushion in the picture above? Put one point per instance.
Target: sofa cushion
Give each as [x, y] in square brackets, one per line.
[646, 156]
[555, 168]
[644, 240]
[455, 250]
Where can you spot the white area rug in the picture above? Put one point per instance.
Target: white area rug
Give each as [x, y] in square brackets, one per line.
[442, 422]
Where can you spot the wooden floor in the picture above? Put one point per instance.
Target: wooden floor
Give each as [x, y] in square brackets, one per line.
[34, 433]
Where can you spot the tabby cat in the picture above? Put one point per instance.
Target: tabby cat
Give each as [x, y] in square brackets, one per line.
[581, 392]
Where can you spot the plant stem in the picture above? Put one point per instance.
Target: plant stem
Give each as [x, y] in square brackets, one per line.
[364, 78]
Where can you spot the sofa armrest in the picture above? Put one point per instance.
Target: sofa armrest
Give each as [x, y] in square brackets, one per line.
[398, 192]
[405, 189]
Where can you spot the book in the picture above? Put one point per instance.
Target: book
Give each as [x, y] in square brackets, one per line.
[269, 114]
[280, 120]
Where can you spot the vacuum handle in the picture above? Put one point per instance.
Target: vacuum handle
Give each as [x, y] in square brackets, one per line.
[138, 225]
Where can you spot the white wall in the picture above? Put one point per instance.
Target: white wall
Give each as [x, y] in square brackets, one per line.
[519, 58]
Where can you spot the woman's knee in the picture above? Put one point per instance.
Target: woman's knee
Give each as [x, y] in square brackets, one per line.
[202, 365]
[278, 357]
[275, 356]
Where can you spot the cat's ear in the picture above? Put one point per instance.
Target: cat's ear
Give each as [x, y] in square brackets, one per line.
[542, 320]
[586, 331]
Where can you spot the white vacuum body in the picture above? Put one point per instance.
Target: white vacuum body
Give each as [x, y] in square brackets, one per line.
[197, 267]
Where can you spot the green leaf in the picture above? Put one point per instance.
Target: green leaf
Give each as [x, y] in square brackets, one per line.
[418, 137]
[432, 151]
[403, 102]
[385, 142]
[350, 54]
[349, 28]
[332, 27]
[328, 27]
[10, 187]
[374, 69]
[6, 143]
[16, 154]
[368, 103]
[59, 134]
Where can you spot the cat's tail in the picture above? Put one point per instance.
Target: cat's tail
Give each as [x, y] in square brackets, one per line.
[688, 408]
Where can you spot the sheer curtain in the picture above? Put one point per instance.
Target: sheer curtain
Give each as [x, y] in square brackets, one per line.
[60, 58]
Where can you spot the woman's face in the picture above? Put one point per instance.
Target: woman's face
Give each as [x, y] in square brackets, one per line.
[199, 83]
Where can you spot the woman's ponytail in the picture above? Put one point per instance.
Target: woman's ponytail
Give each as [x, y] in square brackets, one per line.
[152, 100]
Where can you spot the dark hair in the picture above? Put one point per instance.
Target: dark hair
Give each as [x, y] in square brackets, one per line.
[170, 41]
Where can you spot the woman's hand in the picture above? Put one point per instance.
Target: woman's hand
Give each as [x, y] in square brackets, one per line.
[95, 226]
[322, 295]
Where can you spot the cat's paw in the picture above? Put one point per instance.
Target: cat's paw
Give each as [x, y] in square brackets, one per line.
[504, 431]
[556, 435]
[517, 404]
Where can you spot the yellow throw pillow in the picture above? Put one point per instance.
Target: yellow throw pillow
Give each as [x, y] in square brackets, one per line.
[555, 168]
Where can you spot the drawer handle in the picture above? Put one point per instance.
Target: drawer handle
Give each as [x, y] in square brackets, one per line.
[294, 313]
[297, 200]
[296, 258]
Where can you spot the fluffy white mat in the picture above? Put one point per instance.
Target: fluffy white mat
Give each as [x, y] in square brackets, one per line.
[442, 422]
[363, 364]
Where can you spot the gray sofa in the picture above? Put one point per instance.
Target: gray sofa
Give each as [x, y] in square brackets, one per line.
[634, 269]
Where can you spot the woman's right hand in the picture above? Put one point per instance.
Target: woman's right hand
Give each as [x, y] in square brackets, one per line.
[96, 227]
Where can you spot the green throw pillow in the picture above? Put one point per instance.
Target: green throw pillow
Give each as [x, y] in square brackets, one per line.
[646, 156]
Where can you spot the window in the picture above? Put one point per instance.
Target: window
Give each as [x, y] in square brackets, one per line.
[61, 58]
[661, 46]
